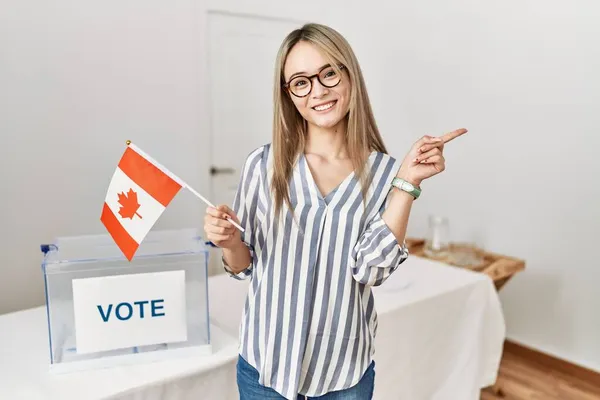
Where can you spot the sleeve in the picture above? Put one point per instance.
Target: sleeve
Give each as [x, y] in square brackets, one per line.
[245, 204]
[377, 253]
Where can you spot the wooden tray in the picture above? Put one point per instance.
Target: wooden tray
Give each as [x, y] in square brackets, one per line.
[500, 268]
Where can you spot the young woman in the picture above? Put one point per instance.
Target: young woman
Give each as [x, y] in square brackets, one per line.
[324, 210]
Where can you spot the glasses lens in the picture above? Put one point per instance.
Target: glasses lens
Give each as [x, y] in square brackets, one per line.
[329, 77]
[300, 86]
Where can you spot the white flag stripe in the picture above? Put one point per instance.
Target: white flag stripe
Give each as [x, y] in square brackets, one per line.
[150, 209]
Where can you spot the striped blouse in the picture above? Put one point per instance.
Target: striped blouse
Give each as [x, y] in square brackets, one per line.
[309, 320]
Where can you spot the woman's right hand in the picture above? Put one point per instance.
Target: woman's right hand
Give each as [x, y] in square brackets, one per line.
[219, 230]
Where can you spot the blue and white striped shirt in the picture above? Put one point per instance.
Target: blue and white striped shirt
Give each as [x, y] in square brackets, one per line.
[309, 320]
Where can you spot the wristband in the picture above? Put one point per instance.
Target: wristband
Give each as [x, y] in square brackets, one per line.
[408, 187]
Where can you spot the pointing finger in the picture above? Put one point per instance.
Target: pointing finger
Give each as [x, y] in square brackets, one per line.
[453, 135]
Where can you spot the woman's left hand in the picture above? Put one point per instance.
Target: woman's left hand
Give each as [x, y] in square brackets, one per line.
[426, 157]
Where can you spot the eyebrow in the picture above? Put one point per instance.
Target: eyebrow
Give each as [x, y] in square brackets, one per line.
[305, 73]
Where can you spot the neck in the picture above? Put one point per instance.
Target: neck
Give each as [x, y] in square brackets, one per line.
[329, 143]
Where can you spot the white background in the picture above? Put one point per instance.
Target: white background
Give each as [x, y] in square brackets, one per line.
[93, 334]
[78, 78]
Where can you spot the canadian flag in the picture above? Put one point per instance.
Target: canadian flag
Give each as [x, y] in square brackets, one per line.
[139, 191]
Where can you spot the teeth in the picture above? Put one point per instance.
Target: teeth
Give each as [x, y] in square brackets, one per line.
[324, 106]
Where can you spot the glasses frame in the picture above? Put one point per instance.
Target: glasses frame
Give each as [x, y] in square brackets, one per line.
[286, 85]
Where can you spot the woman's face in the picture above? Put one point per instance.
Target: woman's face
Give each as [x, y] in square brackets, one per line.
[323, 106]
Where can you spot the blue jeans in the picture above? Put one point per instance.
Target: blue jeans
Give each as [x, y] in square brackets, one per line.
[250, 389]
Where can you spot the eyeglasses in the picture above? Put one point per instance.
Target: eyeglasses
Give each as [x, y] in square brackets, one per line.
[301, 85]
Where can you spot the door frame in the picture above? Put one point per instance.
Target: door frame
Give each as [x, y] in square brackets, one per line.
[209, 79]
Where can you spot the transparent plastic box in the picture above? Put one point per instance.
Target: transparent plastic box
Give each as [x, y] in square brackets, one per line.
[74, 259]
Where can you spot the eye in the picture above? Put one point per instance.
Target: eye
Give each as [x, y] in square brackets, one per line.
[299, 82]
[329, 74]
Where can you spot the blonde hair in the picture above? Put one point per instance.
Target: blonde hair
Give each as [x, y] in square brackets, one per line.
[289, 127]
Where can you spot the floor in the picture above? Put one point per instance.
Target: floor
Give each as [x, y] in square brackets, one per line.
[521, 379]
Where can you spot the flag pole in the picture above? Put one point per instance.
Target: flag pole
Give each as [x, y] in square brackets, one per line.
[210, 204]
[179, 180]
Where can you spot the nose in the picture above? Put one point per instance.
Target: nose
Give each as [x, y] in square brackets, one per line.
[318, 90]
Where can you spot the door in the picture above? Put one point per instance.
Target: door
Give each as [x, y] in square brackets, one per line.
[241, 62]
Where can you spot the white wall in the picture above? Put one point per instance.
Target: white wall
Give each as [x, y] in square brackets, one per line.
[77, 78]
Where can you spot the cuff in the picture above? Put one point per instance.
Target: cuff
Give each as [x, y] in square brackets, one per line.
[243, 274]
[383, 234]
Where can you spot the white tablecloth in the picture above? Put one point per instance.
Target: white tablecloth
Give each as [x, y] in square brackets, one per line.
[441, 333]
[440, 336]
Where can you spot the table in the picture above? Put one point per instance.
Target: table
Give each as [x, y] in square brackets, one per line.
[441, 333]
[23, 370]
[440, 336]
[501, 268]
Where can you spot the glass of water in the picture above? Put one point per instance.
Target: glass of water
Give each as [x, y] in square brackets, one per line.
[437, 242]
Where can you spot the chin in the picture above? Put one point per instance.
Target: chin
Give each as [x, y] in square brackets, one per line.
[326, 121]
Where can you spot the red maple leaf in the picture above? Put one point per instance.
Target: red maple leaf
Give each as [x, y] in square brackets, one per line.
[129, 204]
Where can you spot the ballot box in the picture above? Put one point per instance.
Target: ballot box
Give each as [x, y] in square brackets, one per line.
[104, 310]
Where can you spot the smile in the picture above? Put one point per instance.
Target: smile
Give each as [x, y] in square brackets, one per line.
[326, 106]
